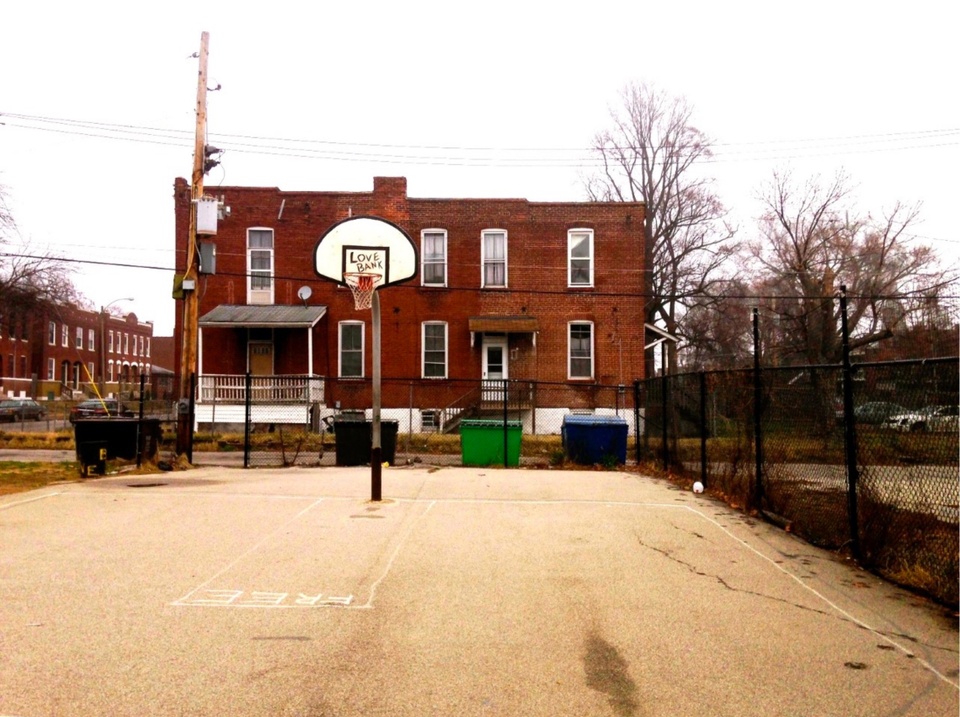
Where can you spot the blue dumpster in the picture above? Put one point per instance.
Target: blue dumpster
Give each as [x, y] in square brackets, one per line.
[590, 440]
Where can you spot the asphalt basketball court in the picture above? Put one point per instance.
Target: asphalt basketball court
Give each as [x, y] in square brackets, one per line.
[464, 592]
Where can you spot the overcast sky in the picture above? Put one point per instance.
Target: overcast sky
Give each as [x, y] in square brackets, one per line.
[98, 105]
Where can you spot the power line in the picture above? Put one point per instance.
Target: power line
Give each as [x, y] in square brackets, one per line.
[916, 294]
[474, 156]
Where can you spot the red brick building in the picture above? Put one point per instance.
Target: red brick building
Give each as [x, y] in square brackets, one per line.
[507, 288]
[63, 351]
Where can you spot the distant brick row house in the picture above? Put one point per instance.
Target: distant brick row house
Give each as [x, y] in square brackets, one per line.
[507, 289]
[63, 351]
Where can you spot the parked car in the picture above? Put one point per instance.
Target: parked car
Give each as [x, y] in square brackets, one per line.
[20, 409]
[99, 408]
[876, 412]
[940, 419]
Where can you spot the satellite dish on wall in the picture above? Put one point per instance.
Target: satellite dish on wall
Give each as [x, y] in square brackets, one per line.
[304, 293]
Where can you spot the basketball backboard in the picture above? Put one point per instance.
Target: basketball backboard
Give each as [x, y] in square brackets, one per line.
[368, 246]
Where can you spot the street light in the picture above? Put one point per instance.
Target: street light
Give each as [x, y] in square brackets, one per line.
[103, 340]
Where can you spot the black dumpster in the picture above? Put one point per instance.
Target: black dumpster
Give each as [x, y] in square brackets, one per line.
[354, 440]
[120, 437]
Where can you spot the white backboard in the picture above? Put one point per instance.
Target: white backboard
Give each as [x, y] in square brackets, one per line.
[369, 245]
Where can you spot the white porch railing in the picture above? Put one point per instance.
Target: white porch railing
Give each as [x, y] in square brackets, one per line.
[232, 388]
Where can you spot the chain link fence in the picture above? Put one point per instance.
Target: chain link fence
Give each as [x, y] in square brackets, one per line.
[876, 475]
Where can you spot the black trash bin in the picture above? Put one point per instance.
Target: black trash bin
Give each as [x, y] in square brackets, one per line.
[119, 436]
[354, 441]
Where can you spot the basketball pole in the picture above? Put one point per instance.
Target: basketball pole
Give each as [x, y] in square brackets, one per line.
[375, 450]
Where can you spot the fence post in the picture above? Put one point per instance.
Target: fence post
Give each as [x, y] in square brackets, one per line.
[703, 428]
[849, 429]
[757, 409]
[663, 418]
[143, 381]
[505, 433]
[636, 417]
[247, 415]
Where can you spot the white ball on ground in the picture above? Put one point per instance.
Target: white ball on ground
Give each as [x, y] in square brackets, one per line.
[698, 487]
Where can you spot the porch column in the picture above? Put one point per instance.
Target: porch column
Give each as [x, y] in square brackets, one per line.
[309, 351]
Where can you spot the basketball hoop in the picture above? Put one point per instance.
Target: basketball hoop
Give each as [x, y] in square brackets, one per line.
[362, 284]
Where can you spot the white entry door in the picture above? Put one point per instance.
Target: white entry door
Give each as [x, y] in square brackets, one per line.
[495, 367]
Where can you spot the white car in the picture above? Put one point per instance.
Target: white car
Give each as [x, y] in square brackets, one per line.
[939, 419]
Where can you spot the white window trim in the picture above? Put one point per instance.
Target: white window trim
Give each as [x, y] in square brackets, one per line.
[51, 369]
[52, 333]
[363, 348]
[423, 349]
[65, 335]
[483, 259]
[91, 340]
[262, 296]
[110, 344]
[79, 337]
[570, 239]
[593, 355]
[423, 258]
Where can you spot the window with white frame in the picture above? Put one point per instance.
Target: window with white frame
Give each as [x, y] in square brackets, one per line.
[580, 257]
[260, 266]
[433, 254]
[140, 339]
[64, 335]
[110, 370]
[91, 340]
[52, 333]
[148, 347]
[493, 258]
[434, 349]
[126, 344]
[134, 344]
[79, 342]
[90, 371]
[580, 362]
[351, 349]
[110, 342]
[51, 369]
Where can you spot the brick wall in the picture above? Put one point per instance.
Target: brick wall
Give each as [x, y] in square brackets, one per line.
[537, 279]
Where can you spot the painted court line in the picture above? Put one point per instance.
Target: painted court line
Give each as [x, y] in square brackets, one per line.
[29, 500]
[828, 601]
[256, 546]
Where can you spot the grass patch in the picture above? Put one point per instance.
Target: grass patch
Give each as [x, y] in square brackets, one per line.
[17, 477]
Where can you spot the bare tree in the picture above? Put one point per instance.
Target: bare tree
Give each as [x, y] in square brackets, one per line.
[810, 244]
[29, 280]
[650, 154]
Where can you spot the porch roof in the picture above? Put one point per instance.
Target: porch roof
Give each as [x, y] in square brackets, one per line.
[272, 316]
[504, 324]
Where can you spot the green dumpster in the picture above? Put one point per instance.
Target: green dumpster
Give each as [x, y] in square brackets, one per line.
[481, 441]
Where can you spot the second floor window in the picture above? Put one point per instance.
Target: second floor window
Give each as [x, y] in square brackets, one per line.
[493, 252]
[79, 337]
[51, 369]
[434, 255]
[126, 344]
[91, 340]
[580, 257]
[351, 349]
[52, 333]
[110, 341]
[260, 265]
[148, 347]
[64, 335]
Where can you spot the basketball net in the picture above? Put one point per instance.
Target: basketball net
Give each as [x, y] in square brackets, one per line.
[362, 285]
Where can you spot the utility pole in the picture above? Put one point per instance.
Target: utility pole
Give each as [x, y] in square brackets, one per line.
[190, 333]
